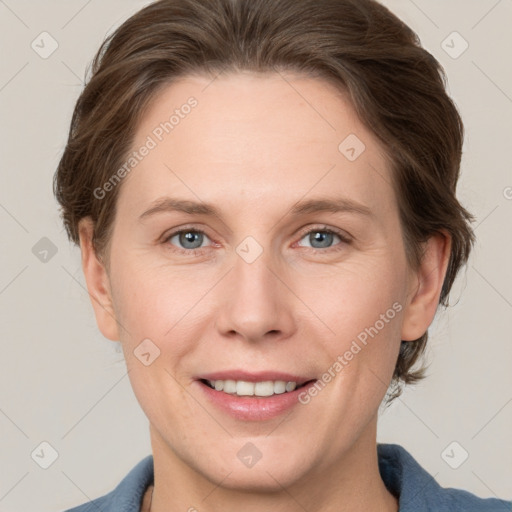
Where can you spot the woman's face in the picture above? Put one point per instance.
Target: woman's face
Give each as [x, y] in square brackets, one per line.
[278, 283]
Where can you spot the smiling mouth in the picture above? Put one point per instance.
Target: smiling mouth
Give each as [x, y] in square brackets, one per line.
[261, 389]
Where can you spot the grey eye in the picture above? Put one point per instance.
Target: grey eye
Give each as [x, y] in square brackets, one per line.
[189, 239]
[320, 239]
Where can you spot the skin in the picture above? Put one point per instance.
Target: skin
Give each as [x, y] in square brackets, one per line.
[253, 147]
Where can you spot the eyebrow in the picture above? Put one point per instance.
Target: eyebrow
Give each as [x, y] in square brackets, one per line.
[169, 204]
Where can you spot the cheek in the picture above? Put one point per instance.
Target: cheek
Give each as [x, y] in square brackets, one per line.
[355, 298]
[336, 304]
[150, 302]
[154, 308]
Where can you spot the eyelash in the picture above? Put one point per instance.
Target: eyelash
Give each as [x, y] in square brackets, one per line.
[318, 229]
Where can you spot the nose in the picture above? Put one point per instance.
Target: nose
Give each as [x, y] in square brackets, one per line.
[258, 303]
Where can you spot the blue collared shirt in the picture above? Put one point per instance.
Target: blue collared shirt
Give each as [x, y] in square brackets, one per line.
[415, 489]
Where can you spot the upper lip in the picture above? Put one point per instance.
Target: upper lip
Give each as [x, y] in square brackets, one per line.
[255, 376]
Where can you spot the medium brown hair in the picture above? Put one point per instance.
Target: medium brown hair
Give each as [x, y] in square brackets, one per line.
[396, 87]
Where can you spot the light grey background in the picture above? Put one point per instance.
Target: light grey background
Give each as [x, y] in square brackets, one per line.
[63, 383]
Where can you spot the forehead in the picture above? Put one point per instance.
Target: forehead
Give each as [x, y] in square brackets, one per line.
[256, 136]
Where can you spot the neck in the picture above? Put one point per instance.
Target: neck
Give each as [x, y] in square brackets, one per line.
[352, 484]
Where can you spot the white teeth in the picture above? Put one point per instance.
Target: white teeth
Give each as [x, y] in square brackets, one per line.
[264, 388]
[290, 386]
[279, 386]
[229, 386]
[244, 388]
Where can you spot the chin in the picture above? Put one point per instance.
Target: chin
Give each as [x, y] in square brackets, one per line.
[258, 465]
[267, 478]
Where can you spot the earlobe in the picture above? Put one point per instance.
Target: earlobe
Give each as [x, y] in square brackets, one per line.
[426, 286]
[98, 282]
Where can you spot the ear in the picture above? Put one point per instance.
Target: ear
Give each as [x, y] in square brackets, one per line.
[425, 287]
[98, 282]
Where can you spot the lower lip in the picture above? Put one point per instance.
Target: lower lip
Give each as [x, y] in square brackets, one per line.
[252, 408]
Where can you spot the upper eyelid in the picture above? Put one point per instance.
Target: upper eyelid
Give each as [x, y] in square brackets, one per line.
[336, 231]
[344, 237]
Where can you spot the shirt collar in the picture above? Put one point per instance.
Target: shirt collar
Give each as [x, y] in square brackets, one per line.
[405, 478]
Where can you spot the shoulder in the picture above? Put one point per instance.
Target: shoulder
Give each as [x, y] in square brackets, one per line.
[127, 496]
[418, 490]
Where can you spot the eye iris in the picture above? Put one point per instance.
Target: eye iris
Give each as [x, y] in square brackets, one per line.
[322, 237]
[191, 237]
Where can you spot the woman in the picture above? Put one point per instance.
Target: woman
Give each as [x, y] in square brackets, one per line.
[264, 195]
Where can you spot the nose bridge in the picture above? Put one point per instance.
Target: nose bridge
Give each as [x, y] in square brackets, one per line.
[256, 303]
[254, 279]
